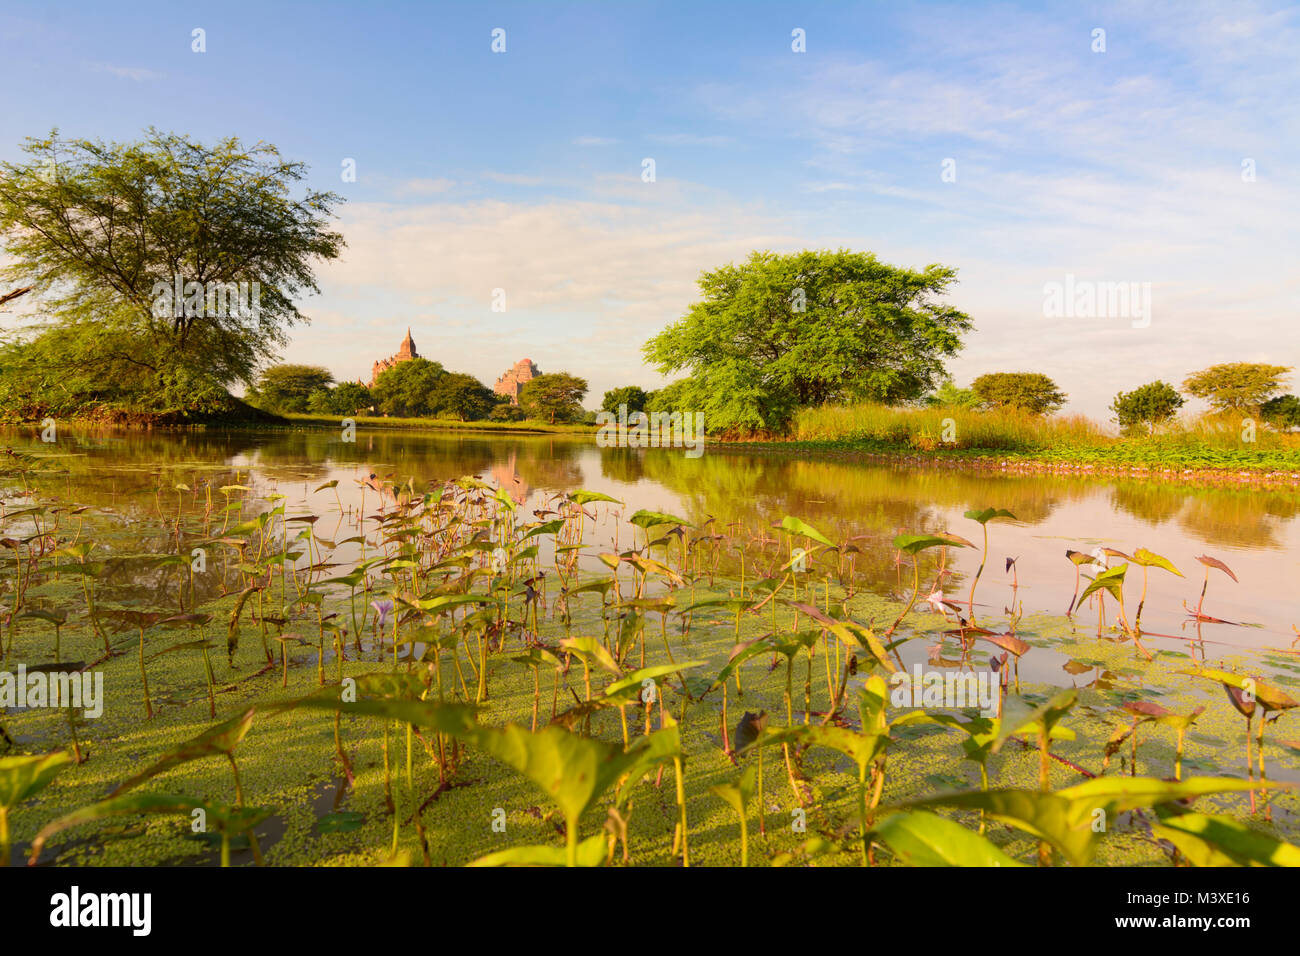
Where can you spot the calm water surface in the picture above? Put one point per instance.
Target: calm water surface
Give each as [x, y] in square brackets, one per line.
[1255, 531]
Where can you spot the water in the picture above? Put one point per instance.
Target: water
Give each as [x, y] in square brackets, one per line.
[1256, 532]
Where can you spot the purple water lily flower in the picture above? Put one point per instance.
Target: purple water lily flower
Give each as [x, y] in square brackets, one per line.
[383, 609]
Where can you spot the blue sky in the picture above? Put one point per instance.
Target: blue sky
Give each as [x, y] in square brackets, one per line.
[522, 170]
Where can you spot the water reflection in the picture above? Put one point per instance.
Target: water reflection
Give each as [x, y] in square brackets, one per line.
[1255, 531]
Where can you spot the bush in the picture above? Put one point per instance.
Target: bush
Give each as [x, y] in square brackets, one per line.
[1150, 405]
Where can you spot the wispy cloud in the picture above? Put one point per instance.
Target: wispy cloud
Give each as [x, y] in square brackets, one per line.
[424, 186]
[139, 74]
[594, 141]
[690, 139]
[514, 179]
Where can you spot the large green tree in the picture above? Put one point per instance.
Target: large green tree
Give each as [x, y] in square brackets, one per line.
[779, 332]
[462, 396]
[554, 397]
[1025, 391]
[106, 233]
[633, 396]
[1237, 386]
[405, 389]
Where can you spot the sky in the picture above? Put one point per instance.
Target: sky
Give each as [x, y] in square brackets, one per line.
[998, 139]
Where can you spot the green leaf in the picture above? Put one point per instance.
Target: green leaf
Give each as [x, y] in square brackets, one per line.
[23, 777]
[798, 527]
[985, 515]
[1111, 580]
[1150, 559]
[648, 519]
[587, 497]
[228, 819]
[1222, 841]
[591, 852]
[218, 740]
[927, 839]
[915, 543]
[1065, 818]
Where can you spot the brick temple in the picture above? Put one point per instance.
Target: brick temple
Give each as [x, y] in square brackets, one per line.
[405, 353]
[513, 380]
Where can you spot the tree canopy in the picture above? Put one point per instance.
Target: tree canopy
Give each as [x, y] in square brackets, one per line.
[166, 269]
[286, 388]
[633, 396]
[462, 396]
[1148, 405]
[346, 398]
[1282, 411]
[1237, 386]
[948, 395]
[1027, 391]
[404, 389]
[780, 332]
[556, 396]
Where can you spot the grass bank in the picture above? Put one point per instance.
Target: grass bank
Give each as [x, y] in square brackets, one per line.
[1053, 443]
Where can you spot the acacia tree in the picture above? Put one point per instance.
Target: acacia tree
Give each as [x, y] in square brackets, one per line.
[1236, 386]
[556, 396]
[780, 332]
[1031, 392]
[105, 233]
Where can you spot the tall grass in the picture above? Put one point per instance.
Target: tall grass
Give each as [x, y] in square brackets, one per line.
[925, 429]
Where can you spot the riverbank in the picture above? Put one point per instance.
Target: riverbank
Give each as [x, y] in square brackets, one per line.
[444, 424]
[1211, 467]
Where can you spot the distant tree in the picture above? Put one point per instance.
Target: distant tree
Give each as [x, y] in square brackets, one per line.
[404, 389]
[1236, 386]
[347, 398]
[1028, 391]
[673, 397]
[1282, 412]
[505, 412]
[948, 395]
[553, 397]
[1146, 406]
[285, 388]
[461, 396]
[633, 396]
[780, 332]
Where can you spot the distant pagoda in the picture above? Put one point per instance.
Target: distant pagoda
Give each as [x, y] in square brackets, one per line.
[512, 382]
[405, 353]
